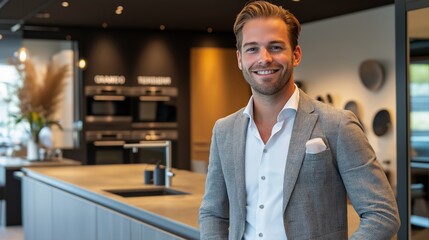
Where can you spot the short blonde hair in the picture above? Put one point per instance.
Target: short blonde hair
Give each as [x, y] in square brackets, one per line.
[263, 9]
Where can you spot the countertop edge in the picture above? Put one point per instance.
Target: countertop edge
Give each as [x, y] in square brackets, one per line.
[147, 217]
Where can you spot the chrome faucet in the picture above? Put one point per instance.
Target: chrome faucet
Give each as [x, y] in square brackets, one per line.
[154, 144]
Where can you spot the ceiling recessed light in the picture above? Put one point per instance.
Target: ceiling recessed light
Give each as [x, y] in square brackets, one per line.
[162, 27]
[22, 54]
[119, 10]
[1, 37]
[296, 0]
[65, 4]
[82, 63]
[43, 15]
[104, 25]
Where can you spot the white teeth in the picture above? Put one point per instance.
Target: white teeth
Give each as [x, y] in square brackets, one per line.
[265, 72]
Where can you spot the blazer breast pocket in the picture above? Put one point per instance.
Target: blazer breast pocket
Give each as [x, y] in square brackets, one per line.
[318, 168]
[323, 155]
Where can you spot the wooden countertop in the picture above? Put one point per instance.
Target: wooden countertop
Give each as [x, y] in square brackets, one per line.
[90, 181]
[17, 162]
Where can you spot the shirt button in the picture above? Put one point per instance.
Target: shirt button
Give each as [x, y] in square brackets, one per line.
[261, 206]
[260, 235]
[265, 150]
[263, 177]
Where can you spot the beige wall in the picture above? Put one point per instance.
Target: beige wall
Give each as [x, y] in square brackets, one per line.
[217, 90]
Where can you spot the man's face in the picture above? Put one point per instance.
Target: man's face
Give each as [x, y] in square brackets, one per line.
[266, 57]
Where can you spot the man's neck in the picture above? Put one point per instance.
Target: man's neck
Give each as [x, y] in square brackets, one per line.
[267, 108]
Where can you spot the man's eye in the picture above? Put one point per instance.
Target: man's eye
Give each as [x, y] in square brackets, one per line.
[276, 48]
[251, 50]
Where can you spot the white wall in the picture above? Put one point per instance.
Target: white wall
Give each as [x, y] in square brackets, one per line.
[332, 52]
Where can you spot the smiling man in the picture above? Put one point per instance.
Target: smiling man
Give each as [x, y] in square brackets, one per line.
[283, 166]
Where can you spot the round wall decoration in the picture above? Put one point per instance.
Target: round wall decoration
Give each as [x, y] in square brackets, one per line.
[371, 74]
[381, 122]
[330, 99]
[352, 106]
[320, 99]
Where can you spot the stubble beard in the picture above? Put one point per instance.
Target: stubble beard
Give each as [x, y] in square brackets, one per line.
[267, 89]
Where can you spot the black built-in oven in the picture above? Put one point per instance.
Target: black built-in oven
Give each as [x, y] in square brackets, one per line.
[154, 107]
[107, 147]
[108, 104]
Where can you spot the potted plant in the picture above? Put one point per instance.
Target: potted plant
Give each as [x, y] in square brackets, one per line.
[38, 101]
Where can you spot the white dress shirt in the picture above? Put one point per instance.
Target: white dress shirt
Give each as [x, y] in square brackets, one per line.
[264, 173]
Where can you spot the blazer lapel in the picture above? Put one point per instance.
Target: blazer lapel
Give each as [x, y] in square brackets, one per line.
[239, 136]
[304, 123]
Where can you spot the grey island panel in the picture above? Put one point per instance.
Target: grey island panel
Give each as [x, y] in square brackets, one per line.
[164, 217]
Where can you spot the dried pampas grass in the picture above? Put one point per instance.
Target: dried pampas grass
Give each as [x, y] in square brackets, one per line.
[42, 96]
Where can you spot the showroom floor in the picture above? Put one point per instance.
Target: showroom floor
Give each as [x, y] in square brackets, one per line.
[11, 233]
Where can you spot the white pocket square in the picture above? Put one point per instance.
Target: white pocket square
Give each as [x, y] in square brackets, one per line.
[315, 145]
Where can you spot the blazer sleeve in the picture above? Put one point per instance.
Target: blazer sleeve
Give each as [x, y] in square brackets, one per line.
[214, 209]
[366, 183]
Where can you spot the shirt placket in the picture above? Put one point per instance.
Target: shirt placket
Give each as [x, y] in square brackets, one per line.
[262, 193]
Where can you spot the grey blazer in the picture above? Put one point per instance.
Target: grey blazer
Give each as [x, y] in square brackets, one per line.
[315, 185]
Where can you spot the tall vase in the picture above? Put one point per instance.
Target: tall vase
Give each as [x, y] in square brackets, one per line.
[32, 150]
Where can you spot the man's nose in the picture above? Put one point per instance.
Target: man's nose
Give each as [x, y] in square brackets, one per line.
[264, 57]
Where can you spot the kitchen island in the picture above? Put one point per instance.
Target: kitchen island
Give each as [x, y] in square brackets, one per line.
[77, 203]
[11, 188]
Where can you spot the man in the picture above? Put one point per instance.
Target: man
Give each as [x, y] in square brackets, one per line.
[282, 167]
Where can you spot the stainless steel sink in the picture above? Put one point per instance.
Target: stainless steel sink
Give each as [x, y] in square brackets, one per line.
[145, 192]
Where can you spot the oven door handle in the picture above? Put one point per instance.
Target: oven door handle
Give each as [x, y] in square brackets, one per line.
[155, 98]
[109, 98]
[109, 143]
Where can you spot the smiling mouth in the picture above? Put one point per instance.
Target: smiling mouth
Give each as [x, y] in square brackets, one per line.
[265, 72]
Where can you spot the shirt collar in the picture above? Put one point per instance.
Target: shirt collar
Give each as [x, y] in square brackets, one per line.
[248, 110]
[292, 103]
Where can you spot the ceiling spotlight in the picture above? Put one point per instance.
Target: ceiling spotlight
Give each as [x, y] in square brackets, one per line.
[82, 63]
[104, 25]
[22, 54]
[162, 27]
[65, 4]
[296, 0]
[43, 15]
[209, 30]
[119, 10]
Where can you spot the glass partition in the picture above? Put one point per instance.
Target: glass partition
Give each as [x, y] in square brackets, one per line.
[419, 126]
[418, 73]
[41, 53]
[9, 45]
[58, 53]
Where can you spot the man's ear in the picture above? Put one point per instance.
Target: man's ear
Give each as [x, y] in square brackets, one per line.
[239, 60]
[297, 55]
